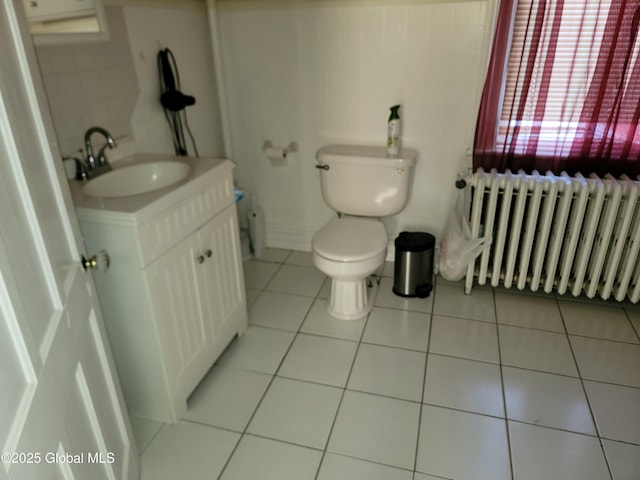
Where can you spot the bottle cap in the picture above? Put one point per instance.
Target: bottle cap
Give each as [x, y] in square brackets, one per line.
[394, 113]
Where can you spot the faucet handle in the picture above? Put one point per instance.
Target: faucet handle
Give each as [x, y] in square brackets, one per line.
[101, 158]
[81, 169]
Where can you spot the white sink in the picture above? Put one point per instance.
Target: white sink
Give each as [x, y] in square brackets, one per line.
[137, 179]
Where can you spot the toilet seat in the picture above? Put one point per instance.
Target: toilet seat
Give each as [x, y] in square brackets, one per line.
[350, 239]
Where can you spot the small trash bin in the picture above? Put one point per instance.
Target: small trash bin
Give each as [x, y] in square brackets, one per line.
[413, 270]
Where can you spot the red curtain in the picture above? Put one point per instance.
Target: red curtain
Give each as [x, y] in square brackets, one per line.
[563, 88]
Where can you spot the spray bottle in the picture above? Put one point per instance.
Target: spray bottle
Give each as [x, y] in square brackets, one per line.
[393, 132]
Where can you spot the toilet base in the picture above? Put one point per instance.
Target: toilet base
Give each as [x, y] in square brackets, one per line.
[352, 299]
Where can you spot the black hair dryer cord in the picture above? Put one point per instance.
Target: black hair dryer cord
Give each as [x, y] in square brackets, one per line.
[174, 101]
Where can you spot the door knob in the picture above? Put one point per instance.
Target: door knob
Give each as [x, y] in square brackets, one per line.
[99, 261]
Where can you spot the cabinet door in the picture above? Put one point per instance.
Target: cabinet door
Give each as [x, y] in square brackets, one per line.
[174, 282]
[224, 281]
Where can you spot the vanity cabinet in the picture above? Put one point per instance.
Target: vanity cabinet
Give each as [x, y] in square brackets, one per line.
[173, 297]
[197, 288]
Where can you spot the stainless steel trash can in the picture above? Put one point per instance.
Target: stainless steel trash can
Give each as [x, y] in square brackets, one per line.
[413, 269]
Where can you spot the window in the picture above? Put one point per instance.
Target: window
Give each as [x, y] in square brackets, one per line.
[563, 88]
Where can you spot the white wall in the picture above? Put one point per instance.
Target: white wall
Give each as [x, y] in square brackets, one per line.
[114, 84]
[90, 84]
[311, 72]
[326, 72]
[185, 31]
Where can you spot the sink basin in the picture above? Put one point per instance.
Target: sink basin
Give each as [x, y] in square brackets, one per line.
[136, 179]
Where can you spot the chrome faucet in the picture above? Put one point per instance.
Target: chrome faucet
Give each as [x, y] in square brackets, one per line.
[99, 165]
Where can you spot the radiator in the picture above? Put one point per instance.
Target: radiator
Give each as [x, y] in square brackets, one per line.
[565, 234]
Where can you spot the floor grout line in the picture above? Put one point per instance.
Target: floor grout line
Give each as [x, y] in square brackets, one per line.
[424, 381]
[427, 356]
[504, 394]
[342, 394]
[584, 391]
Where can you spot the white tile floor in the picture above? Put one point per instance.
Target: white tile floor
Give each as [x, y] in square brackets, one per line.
[495, 385]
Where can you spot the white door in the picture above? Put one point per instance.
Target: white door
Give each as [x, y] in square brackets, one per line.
[62, 413]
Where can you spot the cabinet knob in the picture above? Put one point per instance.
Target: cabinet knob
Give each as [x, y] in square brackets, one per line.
[33, 4]
[200, 259]
[208, 253]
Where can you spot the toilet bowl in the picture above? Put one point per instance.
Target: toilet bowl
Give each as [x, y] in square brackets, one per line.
[348, 250]
[362, 184]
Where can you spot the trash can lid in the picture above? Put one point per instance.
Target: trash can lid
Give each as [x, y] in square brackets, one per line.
[414, 241]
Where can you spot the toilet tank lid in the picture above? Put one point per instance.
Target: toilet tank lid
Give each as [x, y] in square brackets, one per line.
[367, 154]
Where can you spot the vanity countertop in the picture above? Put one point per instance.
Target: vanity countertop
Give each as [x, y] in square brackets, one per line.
[137, 208]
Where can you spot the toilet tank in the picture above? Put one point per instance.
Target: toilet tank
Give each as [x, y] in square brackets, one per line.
[364, 181]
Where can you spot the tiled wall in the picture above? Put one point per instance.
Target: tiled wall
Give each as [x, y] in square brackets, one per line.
[310, 72]
[90, 84]
[114, 84]
[184, 29]
[325, 72]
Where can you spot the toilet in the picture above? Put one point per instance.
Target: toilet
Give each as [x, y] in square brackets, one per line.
[361, 184]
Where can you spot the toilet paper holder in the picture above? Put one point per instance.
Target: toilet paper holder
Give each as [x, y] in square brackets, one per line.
[268, 147]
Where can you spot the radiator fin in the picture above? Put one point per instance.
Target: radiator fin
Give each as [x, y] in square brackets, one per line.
[573, 235]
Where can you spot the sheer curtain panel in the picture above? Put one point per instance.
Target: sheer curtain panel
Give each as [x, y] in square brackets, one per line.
[563, 88]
